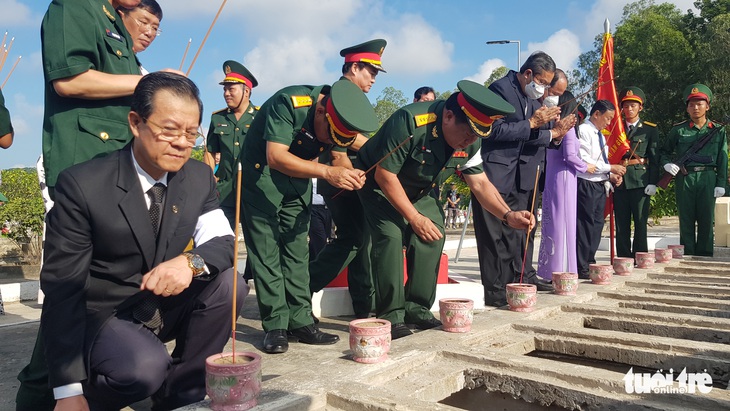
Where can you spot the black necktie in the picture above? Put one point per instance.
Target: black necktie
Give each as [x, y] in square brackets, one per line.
[631, 128]
[156, 194]
[147, 310]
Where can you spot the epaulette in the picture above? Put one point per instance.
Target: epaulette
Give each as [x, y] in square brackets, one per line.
[301, 101]
[650, 124]
[220, 111]
[423, 119]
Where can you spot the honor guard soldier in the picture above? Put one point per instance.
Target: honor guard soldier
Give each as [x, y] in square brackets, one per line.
[437, 140]
[351, 247]
[228, 129]
[295, 126]
[695, 151]
[631, 199]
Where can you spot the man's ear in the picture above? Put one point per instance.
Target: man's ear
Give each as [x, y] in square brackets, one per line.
[134, 120]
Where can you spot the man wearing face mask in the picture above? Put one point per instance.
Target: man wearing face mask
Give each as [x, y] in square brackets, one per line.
[511, 154]
[556, 89]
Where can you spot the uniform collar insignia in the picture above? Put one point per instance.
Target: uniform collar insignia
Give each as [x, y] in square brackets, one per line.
[434, 133]
[109, 15]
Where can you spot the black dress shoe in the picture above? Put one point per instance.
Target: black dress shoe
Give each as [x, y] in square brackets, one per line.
[542, 285]
[310, 334]
[276, 342]
[426, 324]
[399, 330]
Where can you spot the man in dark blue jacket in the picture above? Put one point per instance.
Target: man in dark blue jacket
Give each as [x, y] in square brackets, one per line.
[511, 155]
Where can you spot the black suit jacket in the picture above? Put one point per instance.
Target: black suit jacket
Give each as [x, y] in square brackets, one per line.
[99, 244]
[513, 151]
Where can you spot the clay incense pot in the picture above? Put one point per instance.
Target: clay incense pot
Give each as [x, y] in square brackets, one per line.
[677, 250]
[663, 255]
[456, 314]
[369, 340]
[623, 265]
[600, 273]
[644, 260]
[521, 297]
[565, 283]
[233, 386]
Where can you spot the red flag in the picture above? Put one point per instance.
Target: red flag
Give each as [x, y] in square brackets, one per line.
[614, 133]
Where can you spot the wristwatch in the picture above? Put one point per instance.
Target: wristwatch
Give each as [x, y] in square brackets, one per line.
[196, 263]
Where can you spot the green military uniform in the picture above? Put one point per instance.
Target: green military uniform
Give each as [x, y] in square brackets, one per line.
[642, 169]
[277, 206]
[225, 136]
[424, 162]
[706, 170]
[6, 127]
[78, 35]
[352, 245]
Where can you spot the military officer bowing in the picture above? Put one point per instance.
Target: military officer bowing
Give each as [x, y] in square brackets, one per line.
[400, 210]
[293, 127]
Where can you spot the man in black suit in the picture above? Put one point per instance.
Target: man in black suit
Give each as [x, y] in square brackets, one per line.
[118, 283]
[511, 154]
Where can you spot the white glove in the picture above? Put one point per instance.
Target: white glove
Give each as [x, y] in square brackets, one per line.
[719, 192]
[650, 190]
[671, 168]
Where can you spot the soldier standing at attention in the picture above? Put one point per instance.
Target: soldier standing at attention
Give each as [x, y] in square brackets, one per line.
[704, 173]
[631, 199]
[399, 208]
[351, 247]
[295, 126]
[228, 128]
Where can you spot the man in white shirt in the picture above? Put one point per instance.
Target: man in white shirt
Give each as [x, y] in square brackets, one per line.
[593, 187]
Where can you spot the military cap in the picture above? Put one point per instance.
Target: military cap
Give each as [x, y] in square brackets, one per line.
[481, 106]
[348, 113]
[236, 73]
[369, 52]
[697, 90]
[632, 94]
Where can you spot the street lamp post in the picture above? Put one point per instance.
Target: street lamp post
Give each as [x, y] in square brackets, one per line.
[519, 63]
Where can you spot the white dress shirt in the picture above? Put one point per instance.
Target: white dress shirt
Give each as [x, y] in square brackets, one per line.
[593, 150]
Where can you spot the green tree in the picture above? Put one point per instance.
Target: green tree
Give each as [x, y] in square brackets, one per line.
[389, 100]
[497, 74]
[24, 212]
[662, 50]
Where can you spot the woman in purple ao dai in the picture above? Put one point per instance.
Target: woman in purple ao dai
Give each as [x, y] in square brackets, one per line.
[557, 247]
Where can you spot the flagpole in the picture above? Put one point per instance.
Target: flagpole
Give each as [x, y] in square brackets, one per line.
[611, 223]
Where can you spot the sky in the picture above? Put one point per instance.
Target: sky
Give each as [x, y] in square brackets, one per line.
[286, 42]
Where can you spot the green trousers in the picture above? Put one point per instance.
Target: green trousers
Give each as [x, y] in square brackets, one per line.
[350, 249]
[630, 205]
[696, 204]
[279, 254]
[390, 233]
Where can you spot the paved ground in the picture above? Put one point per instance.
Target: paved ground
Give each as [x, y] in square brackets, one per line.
[19, 326]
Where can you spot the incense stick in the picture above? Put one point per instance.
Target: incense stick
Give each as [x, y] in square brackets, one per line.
[532, 207]
[206, 37]
[234, 314]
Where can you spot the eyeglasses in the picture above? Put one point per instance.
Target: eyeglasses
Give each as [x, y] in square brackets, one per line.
[146, 27]
[171, 135]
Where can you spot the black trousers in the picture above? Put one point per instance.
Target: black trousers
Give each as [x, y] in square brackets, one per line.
[500, 248]
[589, 216]
[129, 363]
[320, 229]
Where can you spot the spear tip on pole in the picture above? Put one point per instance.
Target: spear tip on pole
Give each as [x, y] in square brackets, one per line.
[606, 26]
